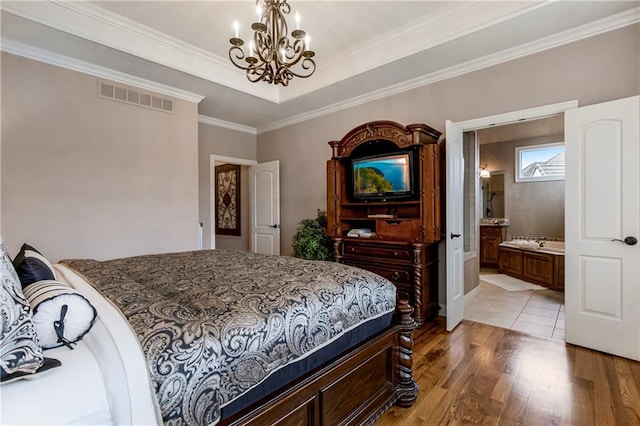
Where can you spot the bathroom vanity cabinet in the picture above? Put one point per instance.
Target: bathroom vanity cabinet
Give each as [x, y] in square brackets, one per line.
[545, 269]
[490, 238]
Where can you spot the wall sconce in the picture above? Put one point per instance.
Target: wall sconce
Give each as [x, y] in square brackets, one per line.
[484, 173]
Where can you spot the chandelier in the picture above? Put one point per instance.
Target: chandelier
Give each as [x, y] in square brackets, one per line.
[273, 57]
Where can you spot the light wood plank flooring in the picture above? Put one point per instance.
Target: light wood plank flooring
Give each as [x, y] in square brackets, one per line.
[485, 375]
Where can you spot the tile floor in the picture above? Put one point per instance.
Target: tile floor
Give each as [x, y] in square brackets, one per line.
[537, 312]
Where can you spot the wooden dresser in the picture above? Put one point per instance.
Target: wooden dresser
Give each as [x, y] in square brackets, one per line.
[405, 246]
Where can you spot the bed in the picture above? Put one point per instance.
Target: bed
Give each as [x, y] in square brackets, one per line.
[230, 337]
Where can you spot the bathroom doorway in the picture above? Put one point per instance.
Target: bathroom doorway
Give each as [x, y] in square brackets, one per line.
[529, 214]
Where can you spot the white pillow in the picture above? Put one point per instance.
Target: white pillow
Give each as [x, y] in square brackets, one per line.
[61, 315]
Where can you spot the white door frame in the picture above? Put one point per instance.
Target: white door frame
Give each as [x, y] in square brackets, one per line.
[517, 116]
[510, 118]
[213, 158]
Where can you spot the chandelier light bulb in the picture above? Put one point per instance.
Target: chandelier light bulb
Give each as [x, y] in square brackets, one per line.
[236, 27]
[307, 41]
[259, 11]
[297, 21]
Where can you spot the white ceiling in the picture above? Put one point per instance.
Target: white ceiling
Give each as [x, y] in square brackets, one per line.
[364, 49]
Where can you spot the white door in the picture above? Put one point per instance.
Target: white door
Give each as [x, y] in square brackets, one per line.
[602, 286]
[455, 248]
[265, 208]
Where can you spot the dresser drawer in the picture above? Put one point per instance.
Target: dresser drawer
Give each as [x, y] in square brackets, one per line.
[397, 229]
[397, 276]
[400, 277]
[377, 252]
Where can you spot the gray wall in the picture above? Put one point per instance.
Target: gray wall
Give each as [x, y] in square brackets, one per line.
[593, 70]
[534, 208]
[213, 140]
[471, 274]
[89, 177]
[471, 264]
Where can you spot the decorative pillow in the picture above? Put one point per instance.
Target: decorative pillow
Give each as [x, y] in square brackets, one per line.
[48, 364]
[32, 266]
[20, 350]
[61, 315]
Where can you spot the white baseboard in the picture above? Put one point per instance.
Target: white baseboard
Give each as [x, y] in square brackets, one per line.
[443, 307]
[472, 292]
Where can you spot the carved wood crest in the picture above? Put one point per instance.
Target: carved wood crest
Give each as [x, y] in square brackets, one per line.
[401, 136]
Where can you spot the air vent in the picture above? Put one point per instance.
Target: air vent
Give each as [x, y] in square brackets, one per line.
[134, 97]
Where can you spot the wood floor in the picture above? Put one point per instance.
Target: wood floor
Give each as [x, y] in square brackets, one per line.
[485, 375]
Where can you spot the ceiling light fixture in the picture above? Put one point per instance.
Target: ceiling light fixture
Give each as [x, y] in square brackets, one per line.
[272, 55]
[484, 173]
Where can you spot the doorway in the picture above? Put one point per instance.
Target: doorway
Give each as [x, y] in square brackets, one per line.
[527, 212]
[236, 242]
[602, 223]
[470, 193]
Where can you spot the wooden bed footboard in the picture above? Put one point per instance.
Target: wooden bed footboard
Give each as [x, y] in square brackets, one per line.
[354, 389]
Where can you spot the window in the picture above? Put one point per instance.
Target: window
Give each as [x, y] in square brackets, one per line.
[536, 163]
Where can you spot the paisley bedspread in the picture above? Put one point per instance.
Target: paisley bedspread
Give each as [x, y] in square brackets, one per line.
[214, 323]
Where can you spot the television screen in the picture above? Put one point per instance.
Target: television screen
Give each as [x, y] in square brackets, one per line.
[381, 176]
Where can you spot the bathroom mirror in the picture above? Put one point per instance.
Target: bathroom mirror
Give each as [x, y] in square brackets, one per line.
[492, 195]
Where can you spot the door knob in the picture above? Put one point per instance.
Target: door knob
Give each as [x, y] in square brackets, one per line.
[276, 226]
[630, 241]
[455, 235]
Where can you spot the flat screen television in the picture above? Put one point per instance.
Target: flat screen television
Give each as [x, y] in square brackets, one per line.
[384, 176]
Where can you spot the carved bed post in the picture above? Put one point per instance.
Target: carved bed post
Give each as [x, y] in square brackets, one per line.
[337, 249]
[407, 389]
[418, 269]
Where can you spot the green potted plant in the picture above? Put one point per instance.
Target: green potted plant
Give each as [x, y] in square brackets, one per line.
[311, 240]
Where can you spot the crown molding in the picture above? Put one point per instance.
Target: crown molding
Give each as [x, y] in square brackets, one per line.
[623, 19]
[99, 25]
[91, 22]
[226, 124]
[41, 55]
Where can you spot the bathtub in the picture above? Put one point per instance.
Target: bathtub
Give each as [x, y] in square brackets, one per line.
[526, 260]
[551, 247]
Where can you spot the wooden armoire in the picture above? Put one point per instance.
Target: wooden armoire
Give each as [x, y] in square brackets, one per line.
[406, 229]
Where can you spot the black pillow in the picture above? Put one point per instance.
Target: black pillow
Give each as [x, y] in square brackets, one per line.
[32, 266]
[48, 364]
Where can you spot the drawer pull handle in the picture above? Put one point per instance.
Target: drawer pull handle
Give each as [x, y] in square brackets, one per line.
[395, 253]
[395, 276]
[353, 249]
